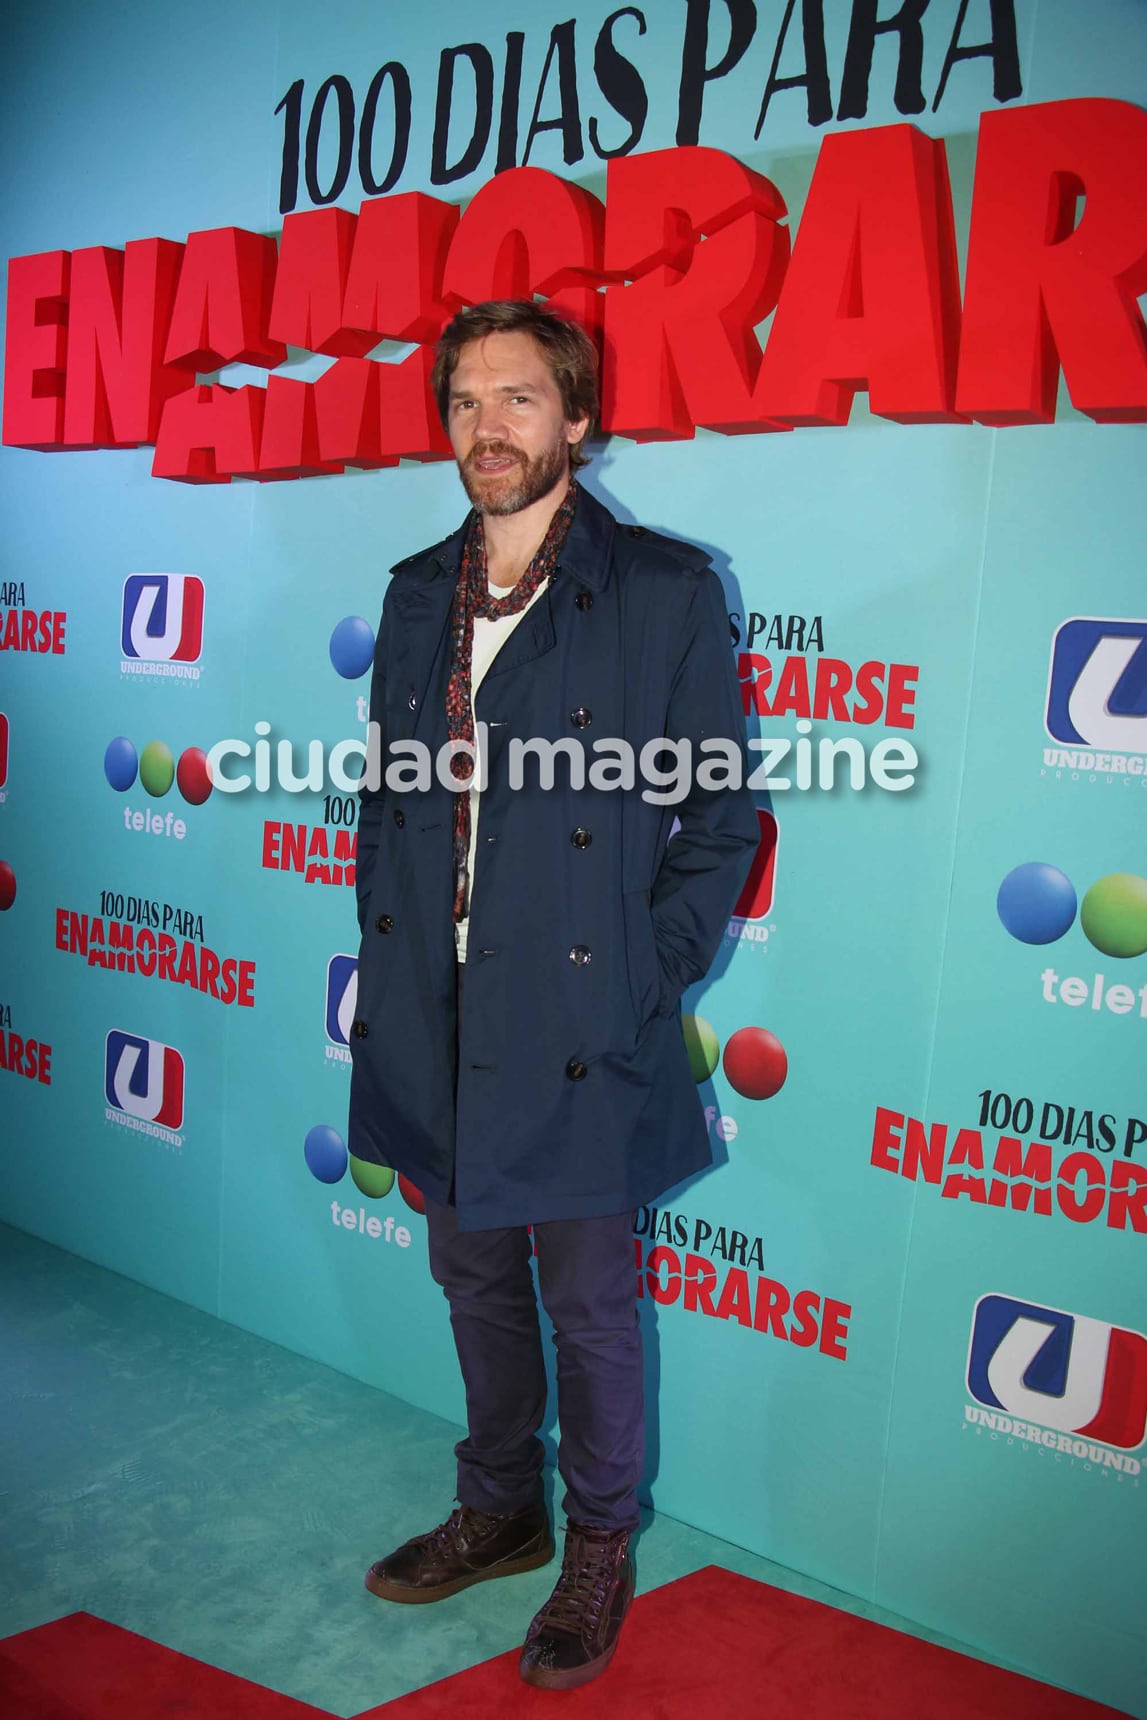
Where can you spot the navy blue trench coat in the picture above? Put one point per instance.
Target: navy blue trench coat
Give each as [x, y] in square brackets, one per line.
[569, 1092]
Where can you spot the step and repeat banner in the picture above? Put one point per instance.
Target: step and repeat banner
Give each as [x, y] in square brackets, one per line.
[866, 280]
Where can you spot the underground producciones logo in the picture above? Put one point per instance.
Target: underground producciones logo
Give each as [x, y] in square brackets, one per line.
[750, 925]
[144, 1085]
[341, 1007]
[161, 626]
[1096, 705]
[1063, 1382]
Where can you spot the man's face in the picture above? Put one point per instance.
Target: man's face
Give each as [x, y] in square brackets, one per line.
[510, 436]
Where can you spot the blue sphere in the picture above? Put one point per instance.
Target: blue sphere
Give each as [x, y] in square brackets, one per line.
[121, 763]
[1036, 903]
[325, 1152]
[352, 647]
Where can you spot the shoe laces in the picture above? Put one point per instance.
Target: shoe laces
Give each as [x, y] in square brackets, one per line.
[442, 1542]
[589, 1569]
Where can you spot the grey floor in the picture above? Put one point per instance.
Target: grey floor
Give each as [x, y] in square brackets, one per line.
[222, 1496]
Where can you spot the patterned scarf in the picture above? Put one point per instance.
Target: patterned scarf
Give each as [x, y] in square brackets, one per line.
[472, 597]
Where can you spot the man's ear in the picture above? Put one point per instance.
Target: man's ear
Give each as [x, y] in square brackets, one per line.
[576, 429]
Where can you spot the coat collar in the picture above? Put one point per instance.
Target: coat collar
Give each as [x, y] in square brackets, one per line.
[587, 553]
[423, 599]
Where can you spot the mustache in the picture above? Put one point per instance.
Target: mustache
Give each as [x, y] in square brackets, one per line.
[495, 450]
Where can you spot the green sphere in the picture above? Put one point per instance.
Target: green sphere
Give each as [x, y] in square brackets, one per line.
[156, 768]
[702, 1044]
[374, 1181]
[1114, 914]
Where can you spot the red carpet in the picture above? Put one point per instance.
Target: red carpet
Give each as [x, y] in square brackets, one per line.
[711, 1644]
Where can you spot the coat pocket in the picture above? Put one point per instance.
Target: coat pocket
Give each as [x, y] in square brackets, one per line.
[643, 965]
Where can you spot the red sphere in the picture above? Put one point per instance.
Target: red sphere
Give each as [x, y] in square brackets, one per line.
[413, 1197]
[7, 885]
[755, 1062]
[193, 774]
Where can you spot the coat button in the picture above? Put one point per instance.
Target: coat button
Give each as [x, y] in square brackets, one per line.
[359, 1029]
[399, 817]
[575, 1069]
[412, 701]
[579, 955]
[581, 718]
[584, 600]
[384, 923]
[581, 837]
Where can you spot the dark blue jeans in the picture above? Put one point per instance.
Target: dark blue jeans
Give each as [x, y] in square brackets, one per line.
[587, 1279]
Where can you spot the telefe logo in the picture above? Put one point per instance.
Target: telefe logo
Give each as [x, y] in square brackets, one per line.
[352, 647]
[1037, 904]
[328, 1161]
[755, 1062]
[156, 770]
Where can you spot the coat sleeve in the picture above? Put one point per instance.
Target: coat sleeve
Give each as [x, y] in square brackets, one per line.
[372, 793]
[706, 862]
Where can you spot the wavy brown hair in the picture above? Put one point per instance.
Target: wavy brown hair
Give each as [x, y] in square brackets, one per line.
[570, 353]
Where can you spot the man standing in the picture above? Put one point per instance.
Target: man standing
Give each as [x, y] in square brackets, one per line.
[553, 1087]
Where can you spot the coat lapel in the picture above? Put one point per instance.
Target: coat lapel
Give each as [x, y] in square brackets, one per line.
[532, 637]
[586, 556]
[423, 607]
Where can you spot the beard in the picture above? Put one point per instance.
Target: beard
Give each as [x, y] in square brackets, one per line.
[524, 483]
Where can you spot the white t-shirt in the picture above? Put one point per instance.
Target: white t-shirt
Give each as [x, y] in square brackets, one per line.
[490, 634]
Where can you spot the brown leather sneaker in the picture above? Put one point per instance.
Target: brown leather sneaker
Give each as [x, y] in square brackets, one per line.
[573, 1638]
[470, 1547]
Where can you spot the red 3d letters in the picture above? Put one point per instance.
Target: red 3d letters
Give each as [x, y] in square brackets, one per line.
[674, 275]
[872, 298]
[1049, 284]
[35, 350]
[697, 236]
[119, 312]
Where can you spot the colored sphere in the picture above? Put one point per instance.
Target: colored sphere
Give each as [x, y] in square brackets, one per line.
[352, 647]
[755, 1063]
[374, 1181]
[414, 1197]
[702, 1044]
[156, 768]
[193, 774]
[7, 886]
[1114, 914]
[120, 763]
[1036, 903]
[325, 1152]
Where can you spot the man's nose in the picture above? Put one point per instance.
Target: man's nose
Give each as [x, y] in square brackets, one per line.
[491, 422]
